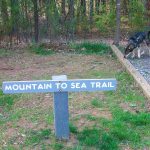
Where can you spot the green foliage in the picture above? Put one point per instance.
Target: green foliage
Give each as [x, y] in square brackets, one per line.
[90, 117]
[106, 21]
[40, 50]
[125, 89]
[73, 129]
[5, 53]
[58, 146]
[92, 48]
[97, 103]
[137, 14]
[122, 132]
[36, 137]
[140, 119]
[124, 77]
[98, 139]
[7, 101]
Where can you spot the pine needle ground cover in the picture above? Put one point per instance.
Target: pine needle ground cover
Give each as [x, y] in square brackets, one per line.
[99, 120]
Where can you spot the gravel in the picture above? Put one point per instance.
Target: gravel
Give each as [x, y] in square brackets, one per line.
[143, 66]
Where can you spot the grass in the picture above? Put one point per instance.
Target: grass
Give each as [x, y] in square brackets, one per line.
[139, 119]
[35, 137]
[125, 128]
[5, 53]
[98, 139]
[40, 50]
[97, 103]
[92, 48]
[73, 129]
[7, 101]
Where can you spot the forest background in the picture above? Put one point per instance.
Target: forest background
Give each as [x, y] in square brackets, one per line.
[39, 20]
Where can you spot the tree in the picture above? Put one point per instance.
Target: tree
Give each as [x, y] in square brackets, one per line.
[70, 20]
[63, 10]
[4, 15]
[36, 21]
[117, 34]
[97, 5]
[91, 12]
[15, 21]
[83, 7]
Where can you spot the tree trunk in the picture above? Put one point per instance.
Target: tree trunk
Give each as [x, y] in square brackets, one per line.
[91, 12]
[117, 34]
[147, 5]
[97, 5]
[4, 12]
[125, 7]
[15, 19]
[71, 19]
[63, 10]
[36, 21]
[83, 7]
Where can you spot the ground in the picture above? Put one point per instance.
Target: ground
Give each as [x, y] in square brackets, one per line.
[143, 66]
[98, 120]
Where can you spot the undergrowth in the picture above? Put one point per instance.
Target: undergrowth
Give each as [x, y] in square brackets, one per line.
[92, 48]
[40, 50]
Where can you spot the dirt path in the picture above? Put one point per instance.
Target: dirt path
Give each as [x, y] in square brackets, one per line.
[28, 67]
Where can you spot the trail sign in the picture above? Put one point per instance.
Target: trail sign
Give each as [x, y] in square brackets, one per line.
[60, 86]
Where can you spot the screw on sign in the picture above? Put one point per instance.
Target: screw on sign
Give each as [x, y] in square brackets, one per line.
[60, 86]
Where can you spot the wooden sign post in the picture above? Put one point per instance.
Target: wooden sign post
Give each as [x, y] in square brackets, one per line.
[60, 86]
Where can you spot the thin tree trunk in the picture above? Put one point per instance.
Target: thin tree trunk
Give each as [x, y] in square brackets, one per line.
[63, 10]
[63, 15]
[83, 7]
[97, 5]
[117, 34]
[147, 6]
[91, 12]
[125, 7]
[36, 21]
[4, 15]
[15, 19]
[71, 19]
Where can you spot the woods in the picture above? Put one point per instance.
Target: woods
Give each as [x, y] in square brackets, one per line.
[37, 20]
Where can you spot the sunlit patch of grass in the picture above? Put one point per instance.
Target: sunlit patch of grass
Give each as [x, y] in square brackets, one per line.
[139, 119]
[126, 127]
[124, 77]
[35, 137]
[122, 132]
[133, 96]
[92, 48]
[127, 88]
